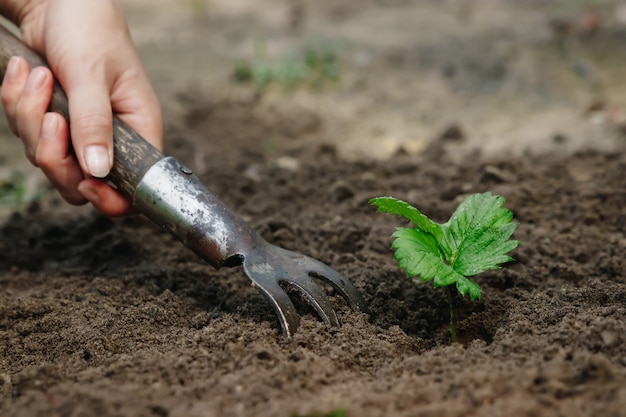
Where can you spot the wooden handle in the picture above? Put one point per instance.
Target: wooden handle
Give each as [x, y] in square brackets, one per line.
[133, 155]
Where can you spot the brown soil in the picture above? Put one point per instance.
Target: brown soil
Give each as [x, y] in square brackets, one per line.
[112, 317]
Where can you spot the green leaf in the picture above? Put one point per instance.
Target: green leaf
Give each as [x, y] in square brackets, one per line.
[403, 209]
[477, 235]
[475, 239]
[467, 286]
[417, 252]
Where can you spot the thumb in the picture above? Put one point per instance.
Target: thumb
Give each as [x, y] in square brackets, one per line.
[91, 127]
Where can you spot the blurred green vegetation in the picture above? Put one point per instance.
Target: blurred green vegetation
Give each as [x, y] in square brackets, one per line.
[338, 412]
[579, 5]
[14, 193]
[315, 65]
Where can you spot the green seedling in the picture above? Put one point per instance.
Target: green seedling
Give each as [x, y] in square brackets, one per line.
[13, 191]
[475, 239]
[313, 66]
[338, 412]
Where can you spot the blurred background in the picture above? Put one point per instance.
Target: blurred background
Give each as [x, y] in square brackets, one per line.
[378, 77]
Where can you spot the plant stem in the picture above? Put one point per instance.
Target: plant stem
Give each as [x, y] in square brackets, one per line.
[453, 315]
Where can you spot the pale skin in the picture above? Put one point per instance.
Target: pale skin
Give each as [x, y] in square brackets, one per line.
[89, 49]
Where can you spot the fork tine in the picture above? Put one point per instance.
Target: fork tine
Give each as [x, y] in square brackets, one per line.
[339, 283]
[285, 310]
[270, 266]
[318, 299]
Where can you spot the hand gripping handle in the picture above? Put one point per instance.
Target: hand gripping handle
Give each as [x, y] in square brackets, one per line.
[133, 155]
[161, 188]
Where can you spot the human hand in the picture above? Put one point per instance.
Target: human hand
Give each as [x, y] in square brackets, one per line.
[90, 51]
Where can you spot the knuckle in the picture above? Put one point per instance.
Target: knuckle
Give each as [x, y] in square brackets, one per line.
[28, 106]
[92, 126]
[9, 104]
[44, 161]
[7, 96]
[22, 108]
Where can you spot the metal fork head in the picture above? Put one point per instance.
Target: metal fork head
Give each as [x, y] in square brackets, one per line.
[268, 266]
[175, 199]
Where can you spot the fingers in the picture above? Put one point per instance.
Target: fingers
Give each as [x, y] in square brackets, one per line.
[12, 86]
[104, 198]
[56, 162]
[88, 47]
[26, 97]
[31, 107]
[133, 99]
[91, 122]
[61, 168]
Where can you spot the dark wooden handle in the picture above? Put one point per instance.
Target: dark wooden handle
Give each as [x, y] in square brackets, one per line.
[133, 155]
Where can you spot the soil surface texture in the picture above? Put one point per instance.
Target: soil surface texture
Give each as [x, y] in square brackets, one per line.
[114, 317]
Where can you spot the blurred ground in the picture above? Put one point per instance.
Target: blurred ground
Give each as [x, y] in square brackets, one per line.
[431, 101]
[509, 77]
[512, 75]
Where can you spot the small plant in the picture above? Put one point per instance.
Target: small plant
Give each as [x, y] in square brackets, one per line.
[475, 239]
[13, 191]
[315, 65]
[338, 412]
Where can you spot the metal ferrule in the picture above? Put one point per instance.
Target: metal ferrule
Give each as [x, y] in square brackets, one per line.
[175, 199]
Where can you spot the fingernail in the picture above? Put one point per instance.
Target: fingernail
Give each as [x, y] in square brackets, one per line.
[12, 69]
[97, 160]
[88, 193]
[35, 79]
[49, 126]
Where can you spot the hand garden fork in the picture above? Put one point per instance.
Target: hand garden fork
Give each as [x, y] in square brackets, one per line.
[170, 195]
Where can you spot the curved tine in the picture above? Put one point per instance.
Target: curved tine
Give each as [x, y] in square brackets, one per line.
[318, 299]
[285, 310]
[339, 283]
